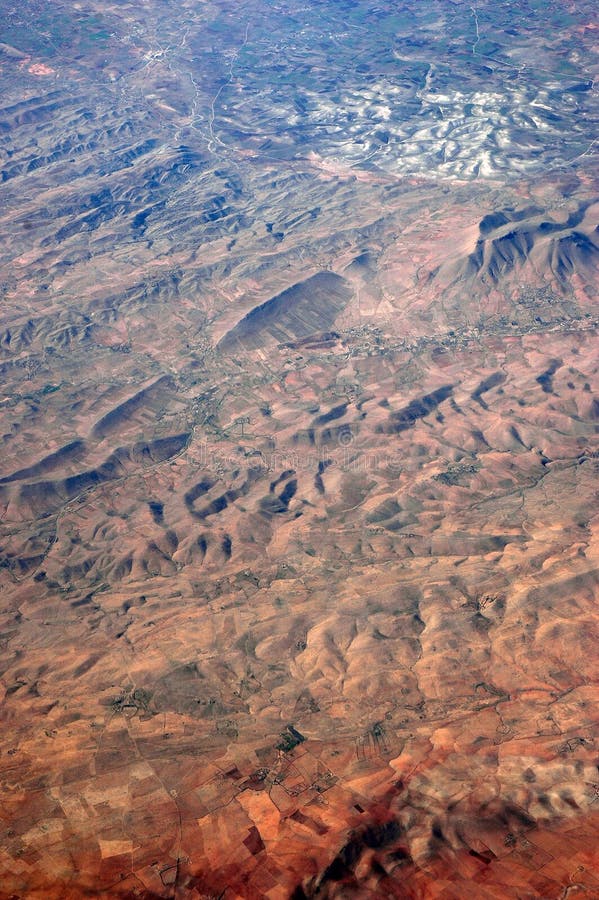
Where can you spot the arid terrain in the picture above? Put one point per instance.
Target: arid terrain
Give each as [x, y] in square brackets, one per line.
[299, 531]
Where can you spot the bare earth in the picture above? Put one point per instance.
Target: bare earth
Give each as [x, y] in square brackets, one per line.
[298, 497]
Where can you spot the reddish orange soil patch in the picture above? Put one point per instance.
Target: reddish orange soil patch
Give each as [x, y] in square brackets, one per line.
[41, 69]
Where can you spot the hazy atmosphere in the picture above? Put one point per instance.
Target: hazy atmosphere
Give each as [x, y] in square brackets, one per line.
[299, 416]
